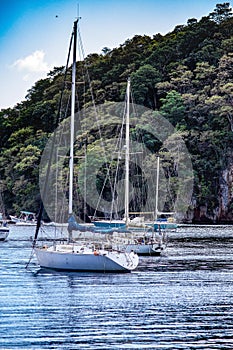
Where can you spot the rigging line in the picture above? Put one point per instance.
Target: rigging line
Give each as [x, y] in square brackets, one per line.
[58, 170]
[120, 139]
[38, 224]
[64, 80]
[140, 141]
[58, 165]
[95, 109]
[118, 161]
[82, 113]
[106, 178]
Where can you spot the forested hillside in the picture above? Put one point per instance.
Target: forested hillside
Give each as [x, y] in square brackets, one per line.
[187, 75]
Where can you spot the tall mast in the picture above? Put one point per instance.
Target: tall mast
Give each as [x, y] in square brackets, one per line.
[71, 164]
[157, 190]
[127, 156]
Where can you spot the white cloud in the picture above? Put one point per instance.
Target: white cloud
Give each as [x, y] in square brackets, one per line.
[32, 63]
[26, 77]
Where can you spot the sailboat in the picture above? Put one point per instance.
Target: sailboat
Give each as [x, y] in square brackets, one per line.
[146, 239]
[83, 256]
[162, 222]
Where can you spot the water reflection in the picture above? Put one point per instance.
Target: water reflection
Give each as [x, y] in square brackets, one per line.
[181, 300]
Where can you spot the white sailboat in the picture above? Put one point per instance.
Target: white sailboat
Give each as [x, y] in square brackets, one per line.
[84, 256]
[145, 240]
[162, 220]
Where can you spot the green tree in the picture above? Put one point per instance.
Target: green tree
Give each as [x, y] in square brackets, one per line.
[144, 81]
[221, 13]
[173, 107]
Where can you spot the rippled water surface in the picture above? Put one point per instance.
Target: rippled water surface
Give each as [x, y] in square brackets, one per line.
[182, 300]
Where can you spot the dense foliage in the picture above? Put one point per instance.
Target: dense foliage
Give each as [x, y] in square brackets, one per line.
[187, 75]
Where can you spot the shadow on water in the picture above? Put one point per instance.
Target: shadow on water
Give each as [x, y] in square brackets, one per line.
[80, 274]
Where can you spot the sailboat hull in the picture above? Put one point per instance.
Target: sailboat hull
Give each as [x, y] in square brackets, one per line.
[164, 225]
[145, 249]
[70, 258]
[109, 224]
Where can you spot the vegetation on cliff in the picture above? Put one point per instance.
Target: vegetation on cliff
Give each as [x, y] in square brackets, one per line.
[187, 75]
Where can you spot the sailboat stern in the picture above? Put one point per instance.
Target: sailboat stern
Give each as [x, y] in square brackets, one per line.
[127, 261]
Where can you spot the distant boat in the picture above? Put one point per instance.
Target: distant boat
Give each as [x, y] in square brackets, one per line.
[146, 239]
[83, 256]
[165, 223]
[27, 218]
[109, 223]
[166, 220]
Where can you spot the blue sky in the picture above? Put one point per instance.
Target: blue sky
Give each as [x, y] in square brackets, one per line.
[34, 34]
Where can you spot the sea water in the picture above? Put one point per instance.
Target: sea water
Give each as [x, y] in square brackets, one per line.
[181, 300]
